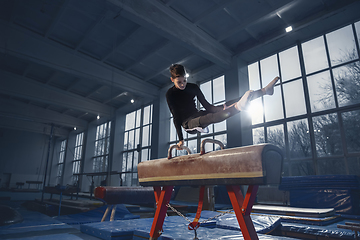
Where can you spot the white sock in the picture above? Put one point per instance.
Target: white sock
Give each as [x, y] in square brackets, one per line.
[269, 89]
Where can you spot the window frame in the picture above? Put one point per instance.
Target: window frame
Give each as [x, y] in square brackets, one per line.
[136, 153]
[309, 116]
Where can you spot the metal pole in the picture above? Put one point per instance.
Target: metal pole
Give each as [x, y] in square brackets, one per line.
[47, 161]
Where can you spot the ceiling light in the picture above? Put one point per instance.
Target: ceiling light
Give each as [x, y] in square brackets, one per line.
[132, 100]
[98, 117]
[288, 29]
[74, 128]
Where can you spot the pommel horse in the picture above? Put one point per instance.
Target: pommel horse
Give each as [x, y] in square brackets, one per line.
[251, 165]
[122, 195]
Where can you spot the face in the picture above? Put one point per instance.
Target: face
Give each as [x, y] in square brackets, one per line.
[179, 82]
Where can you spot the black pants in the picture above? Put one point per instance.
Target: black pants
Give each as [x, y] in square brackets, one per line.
[204, 118]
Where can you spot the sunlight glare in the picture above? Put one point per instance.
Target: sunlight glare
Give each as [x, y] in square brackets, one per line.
[255, 111]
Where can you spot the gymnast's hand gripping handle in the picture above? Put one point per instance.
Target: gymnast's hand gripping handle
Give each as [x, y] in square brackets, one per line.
[202, 145]
[175, 146]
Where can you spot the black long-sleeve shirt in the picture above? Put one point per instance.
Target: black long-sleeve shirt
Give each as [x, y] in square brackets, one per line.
[182, 104]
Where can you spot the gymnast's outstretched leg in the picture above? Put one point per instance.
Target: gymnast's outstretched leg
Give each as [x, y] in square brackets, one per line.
[250, 95]
[232, 107]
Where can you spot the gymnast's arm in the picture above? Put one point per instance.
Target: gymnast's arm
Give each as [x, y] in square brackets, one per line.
[176, 120]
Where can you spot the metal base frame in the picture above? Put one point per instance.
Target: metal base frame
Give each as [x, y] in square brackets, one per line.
[242, 208]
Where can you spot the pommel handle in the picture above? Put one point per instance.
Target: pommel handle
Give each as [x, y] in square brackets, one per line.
[202, 146]
[175, 146]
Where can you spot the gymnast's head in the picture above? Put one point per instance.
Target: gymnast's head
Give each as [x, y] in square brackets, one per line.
[178, 76]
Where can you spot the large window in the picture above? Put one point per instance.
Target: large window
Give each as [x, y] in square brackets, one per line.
[76, 163]
[137, 143]
[60, 165]
[214, 92]
[101, 153]
[314, 113]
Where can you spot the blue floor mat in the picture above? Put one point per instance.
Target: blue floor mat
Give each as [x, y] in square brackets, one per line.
[175, 227]
[202, 234]
[96, 215]
[33, 222]
[328, 231]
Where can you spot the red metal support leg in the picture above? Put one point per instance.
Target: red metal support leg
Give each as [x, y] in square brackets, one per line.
[161, 209]
[157, 192]
[242, 208]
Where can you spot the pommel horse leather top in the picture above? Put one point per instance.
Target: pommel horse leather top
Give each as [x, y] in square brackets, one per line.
[257, 164]
[251, 165]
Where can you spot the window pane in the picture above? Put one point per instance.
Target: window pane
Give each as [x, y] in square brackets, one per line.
[221, 126]
[76, 167]
[63, 144]
[138, 118]
[327, 135]
[131, 140]
[101, 146]
[351, 122]
[269, 69]
[96, 165]
[275, 135]
[124, 161]
[76, 153]
[59, 170]
[294, 98]
[136, 161]
[151, 113]
[302, 168]
[321, 92]
[222, 138]
[150, 129]
[130, 121]
[258, 135]
[314, 55]
[219, 89]
[61, 157]
[256, 111]
[125, 141]
[81, 137]
[100, 131]
[107, 145]
[299, 139]
[192, 145]
[129, 162]
[128, 179]
[109, 129]
[254, 78]
[206, 90]
[341, 45]
[96, 151]
[347, 84]
[273, 106]
[357, 29]
[137, 137]
[331, 166]
[144, 154]
[146, 118]
[145, 137]
[134, 181]
[289, 64]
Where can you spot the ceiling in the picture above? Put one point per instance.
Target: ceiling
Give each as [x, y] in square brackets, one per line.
[64, 62]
